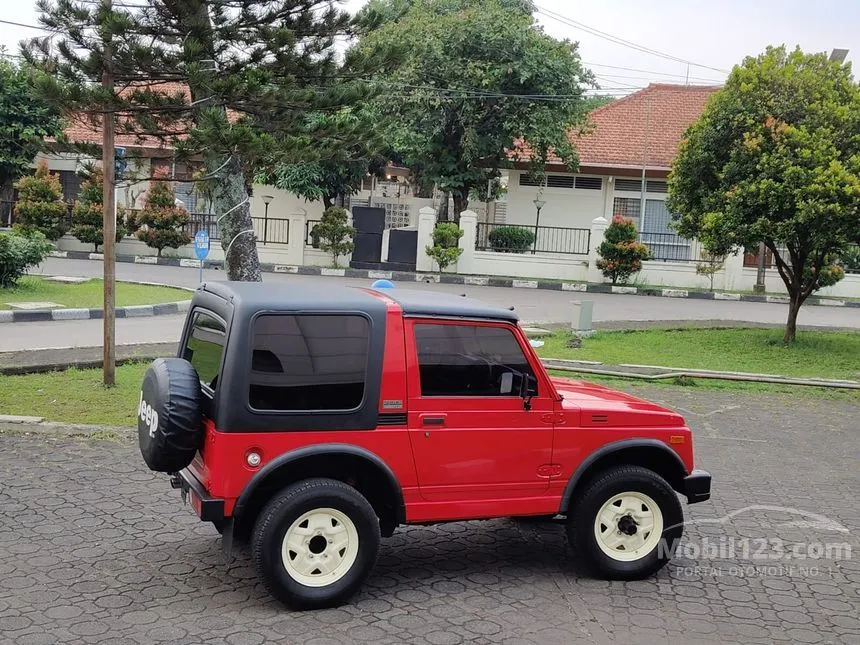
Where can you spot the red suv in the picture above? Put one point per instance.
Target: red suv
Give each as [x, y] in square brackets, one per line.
[312, 421]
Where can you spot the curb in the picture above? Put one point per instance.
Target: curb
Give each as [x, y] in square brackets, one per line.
[56, 315]
[657, 373]
[468, 280]
[132, 311]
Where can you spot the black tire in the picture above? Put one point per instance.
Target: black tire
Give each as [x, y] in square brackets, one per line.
[169, 425]
[583, 514]
[290, 505]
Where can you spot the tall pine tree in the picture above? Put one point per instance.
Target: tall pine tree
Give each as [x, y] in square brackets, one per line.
[225, 82]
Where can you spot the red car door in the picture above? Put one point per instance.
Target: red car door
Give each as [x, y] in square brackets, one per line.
[473, 438]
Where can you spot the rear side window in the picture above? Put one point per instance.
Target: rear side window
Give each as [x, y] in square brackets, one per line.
[469, 360]
[205, 347]
[309, 362]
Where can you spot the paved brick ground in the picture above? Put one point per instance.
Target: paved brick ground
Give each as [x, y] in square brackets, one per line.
[94, 548]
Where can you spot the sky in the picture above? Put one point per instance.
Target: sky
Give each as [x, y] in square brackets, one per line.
[710, 35]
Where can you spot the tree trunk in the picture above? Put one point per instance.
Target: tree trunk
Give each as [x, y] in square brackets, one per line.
[461, 203]
[443, 208]
[229, 195]
[791, 324]
[328, 201]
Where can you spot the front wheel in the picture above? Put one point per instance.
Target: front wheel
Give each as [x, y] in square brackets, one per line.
[315, 543]
[625, 524]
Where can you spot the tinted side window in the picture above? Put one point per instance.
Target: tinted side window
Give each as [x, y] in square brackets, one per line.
[469, 360]
[309, 362]
[205, 347]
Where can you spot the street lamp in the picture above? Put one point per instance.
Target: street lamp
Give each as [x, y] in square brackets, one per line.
[267, 199]
[539, 204]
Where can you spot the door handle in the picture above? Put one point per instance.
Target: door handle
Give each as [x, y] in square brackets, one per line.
[433, 421]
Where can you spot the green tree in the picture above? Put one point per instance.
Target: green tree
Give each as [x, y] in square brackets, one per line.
[224, 82]
[446, 244]
[160, 222]
[25, 122]
[478, 77]
[775, 158]
[88, 212]
[335, 233]
[710, 266]
[621, 255]
[340, 170]
[40, 205]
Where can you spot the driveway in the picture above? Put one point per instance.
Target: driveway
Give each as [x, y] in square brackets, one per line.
[96, 549]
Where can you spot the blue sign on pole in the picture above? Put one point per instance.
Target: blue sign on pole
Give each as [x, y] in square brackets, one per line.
[201, 244]
[201, 248]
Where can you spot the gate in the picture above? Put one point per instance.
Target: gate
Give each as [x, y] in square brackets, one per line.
[369, 224]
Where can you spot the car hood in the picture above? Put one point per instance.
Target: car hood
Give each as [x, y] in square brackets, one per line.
[602, 406]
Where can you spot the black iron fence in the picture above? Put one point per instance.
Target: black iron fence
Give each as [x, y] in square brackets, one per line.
[7, 214]
[520, 238]
[668, 247]
[311, 239]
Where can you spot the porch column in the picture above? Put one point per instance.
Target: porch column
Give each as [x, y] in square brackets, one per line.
[426, 224]
[296, 247]
[469, 226]
[598, 230]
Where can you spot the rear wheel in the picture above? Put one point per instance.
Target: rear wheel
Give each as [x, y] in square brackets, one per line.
[625, 524]
[315, 543]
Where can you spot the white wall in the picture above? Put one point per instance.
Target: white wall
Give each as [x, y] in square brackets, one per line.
[565, 207]
[525, 265]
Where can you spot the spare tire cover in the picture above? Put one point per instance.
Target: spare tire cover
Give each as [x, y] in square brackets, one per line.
[169, 418]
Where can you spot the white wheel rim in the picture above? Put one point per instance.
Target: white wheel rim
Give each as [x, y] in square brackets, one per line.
[628, 526]
[320, 547]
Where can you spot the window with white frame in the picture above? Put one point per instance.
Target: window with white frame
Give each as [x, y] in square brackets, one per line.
[654, 225]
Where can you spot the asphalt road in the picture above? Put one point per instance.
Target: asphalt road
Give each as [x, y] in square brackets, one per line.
[535, 306]
[96, 549]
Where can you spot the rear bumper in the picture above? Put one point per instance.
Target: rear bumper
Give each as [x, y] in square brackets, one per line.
[210, 509]
[697, 486]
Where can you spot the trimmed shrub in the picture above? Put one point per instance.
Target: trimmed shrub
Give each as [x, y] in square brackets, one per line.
[511, 239]
[446, 244]
[40, 205]
[88, 212]
[160, 222]
[621, 254]
[335, 233]
[20, 252]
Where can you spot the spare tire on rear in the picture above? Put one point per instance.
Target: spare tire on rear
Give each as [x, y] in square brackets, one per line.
[169, 423]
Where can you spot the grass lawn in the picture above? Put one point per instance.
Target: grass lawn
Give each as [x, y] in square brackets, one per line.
[815, 353]
[87, 294]
[75, 396]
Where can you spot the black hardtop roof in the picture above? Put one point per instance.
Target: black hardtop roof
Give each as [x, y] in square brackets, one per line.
[280, 296]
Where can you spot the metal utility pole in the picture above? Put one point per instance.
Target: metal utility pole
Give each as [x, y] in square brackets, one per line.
[642, 202]
[109, 223]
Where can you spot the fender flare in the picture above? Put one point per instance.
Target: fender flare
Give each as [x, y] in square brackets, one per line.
[608, 449]
[284, 460]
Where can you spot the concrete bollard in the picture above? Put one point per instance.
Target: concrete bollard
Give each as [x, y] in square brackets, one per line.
[582, 313]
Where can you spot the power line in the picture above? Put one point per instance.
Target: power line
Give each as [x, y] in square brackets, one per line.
[570, 22]
[21, 24]
[652, 72]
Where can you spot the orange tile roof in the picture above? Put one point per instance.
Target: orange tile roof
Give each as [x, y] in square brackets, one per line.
[82, 129]
[616, 137]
